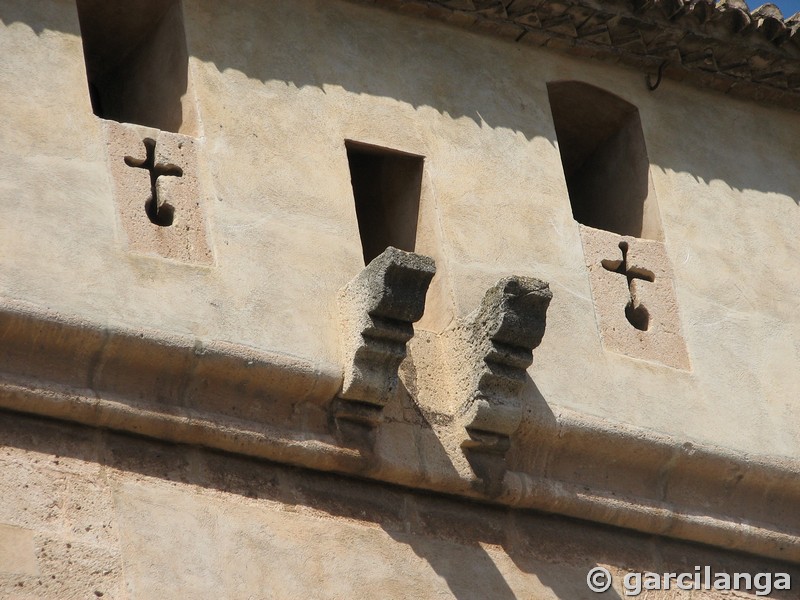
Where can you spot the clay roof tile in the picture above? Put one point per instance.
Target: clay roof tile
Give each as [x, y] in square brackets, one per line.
[722, 45]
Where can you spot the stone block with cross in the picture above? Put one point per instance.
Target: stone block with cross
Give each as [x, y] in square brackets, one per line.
[634, 297]
[158, 192]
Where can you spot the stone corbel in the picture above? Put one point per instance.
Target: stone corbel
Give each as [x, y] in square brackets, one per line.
[377, 309]
[498, 341]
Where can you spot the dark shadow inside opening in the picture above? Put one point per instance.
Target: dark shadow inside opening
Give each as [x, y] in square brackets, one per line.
[137, 62]
[605, 160]
[386, 188]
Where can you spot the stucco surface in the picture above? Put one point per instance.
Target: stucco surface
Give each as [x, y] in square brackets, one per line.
[93, 514]
[495, 180]
[245, 332]
[278, 92]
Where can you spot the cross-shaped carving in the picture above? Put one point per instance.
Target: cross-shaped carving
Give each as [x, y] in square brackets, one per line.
[159, 213]
[635, 312]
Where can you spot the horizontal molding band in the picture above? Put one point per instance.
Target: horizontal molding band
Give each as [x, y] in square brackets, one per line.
[75, 371]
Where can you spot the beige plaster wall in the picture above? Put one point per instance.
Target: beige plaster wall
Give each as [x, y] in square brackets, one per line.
[97, 515]
[281, 85]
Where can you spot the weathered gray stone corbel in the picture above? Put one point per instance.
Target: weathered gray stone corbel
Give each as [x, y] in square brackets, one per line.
[498, 339]
[377, 309]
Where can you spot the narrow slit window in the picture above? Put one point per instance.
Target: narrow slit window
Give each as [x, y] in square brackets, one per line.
[137, 62]
[386, 188]
[605, 160]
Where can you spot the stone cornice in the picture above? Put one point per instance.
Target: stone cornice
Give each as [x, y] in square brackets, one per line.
[723, 46]
[273, 407]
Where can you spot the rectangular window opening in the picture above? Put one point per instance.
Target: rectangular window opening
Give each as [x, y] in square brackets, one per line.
[137, 62]
[386, 188]
[605, 160]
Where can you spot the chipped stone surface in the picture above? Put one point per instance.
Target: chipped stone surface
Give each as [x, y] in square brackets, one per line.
[175, 227]
[17, 551]
[497, 342]
[58, 526]
[190, 523]
[468, 380]
[378, 308]
[638, 315]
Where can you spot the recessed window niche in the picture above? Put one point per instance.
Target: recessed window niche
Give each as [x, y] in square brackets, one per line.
[386, 188]
[605, 160]
[137, 63]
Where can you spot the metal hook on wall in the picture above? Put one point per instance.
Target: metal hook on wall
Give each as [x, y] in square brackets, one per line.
[653, 86]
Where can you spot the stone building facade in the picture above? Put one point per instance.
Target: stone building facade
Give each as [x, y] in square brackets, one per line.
[398, 298]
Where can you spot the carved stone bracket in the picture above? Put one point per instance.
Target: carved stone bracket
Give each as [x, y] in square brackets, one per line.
[219, 395]
[377, 309]
[499, 339]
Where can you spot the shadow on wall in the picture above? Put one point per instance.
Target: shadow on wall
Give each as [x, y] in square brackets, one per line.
[472, 573]
[479, 551]
[319, 43]
[137, 62]
[468, 570]
[455, 544]
[526, 447]
[462, 542]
